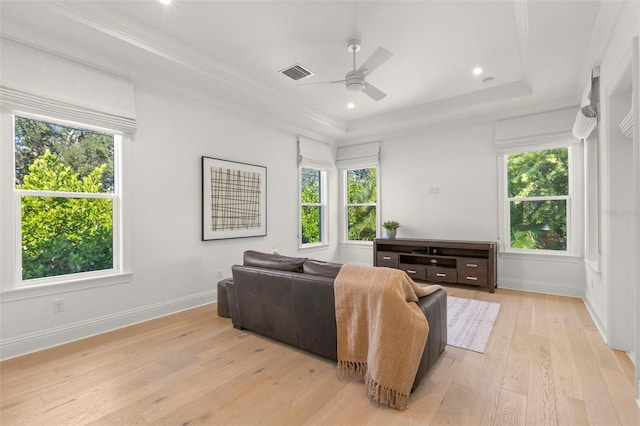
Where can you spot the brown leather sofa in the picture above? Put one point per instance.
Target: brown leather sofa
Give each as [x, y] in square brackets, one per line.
[292, 300]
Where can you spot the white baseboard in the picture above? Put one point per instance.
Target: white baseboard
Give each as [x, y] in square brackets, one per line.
[32, 342]
[596, 316]
[557, 289]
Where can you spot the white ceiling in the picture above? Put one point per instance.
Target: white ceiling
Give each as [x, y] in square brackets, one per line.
[537, 53]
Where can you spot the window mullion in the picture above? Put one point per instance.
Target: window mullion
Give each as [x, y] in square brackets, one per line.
[64, 194]
[541, 198]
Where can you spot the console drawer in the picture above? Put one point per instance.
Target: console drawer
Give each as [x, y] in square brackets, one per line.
[387, 258]
[442, 275]
[472, 271]
[418, 272]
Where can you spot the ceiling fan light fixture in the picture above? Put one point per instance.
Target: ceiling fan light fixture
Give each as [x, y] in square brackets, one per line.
[354, 81]
[355, 86]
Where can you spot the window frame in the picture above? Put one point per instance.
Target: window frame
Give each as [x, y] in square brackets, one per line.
[323, 208]
[573, 204]
[345, 205]
[13, 286]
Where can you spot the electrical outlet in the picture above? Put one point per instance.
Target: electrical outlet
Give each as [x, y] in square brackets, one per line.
[219, 274]
[58, 306]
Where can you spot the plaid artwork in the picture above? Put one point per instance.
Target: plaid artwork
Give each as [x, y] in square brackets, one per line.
[235, 199]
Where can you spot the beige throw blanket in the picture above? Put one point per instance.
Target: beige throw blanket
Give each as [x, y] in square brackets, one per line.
[381, 331]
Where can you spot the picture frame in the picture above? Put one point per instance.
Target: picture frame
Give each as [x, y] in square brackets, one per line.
[234, 199]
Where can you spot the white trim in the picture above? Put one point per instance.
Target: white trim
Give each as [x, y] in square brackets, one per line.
[541, 287]
[32, 342]
[597, 318]
[65, 194]
[313, 247]
[574, 205]
[540, 255]
[13, 286]
[357, 243]
[324, 222]
[344, 232]
[80, 282]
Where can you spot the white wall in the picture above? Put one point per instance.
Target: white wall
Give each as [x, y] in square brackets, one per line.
[608, 292]
[461, 165]
[173, 269]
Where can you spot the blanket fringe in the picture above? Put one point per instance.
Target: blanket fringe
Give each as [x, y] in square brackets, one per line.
[351, 369]
[386, 396]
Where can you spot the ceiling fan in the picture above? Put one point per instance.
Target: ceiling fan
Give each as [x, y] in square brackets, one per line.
[355, 79]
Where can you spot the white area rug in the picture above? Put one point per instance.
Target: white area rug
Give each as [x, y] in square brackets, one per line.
[469, 322]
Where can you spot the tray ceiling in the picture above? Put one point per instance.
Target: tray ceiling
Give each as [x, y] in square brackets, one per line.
[534, 52]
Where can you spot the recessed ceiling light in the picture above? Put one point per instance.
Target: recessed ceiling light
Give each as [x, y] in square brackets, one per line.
[351, 105]
[477, 71]
[165, 1]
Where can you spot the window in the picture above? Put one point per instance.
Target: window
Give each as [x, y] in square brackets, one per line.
[312, 206]
[361, 196]
[67, 190]
[538, 200]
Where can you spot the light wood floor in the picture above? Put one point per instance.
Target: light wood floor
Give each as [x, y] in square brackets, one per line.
[545, 364]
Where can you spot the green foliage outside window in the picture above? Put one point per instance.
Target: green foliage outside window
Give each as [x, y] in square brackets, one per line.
[538, 223]
[311, 215]
[64, 235]
[361, 204]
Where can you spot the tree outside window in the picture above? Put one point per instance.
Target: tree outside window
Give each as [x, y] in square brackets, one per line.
[361, 194]
[311, 205]
[67, 187]
[538, 197]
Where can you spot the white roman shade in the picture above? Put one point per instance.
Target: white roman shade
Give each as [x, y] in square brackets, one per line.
[36, 82]
[358, 156]
[626, 125]
[314, 154]
[535, 132]
[587, 117]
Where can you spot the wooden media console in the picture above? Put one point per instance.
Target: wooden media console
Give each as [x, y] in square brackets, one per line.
[440, 261]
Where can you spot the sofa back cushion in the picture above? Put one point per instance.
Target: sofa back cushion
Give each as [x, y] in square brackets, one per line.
[273, 261]
[324, 269]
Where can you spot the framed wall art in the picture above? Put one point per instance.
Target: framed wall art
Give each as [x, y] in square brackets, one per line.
[234, 199]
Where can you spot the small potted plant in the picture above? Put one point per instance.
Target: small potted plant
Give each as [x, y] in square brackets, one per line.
[392, 227]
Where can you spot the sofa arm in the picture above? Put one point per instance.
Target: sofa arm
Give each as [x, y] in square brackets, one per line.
[434, 308]
[233, 305]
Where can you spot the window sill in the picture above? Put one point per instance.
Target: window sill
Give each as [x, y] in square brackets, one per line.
[357, 244]
[541, 257]
[64, 286]
[313, 247]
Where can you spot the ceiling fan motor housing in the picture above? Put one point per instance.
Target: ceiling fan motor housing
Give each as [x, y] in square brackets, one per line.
[354, 81]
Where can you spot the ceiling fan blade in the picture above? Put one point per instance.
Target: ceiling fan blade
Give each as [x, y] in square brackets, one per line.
[373, 92]
[379, 57]
[322, 82]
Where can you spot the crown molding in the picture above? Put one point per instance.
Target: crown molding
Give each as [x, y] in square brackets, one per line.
[521, 11]
[197, 62]
[608, 16]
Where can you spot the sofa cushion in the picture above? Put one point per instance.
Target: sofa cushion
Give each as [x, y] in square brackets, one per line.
[324, 269]
[273, 261]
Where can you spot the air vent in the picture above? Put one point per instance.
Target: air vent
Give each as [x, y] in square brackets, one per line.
[296, 72]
